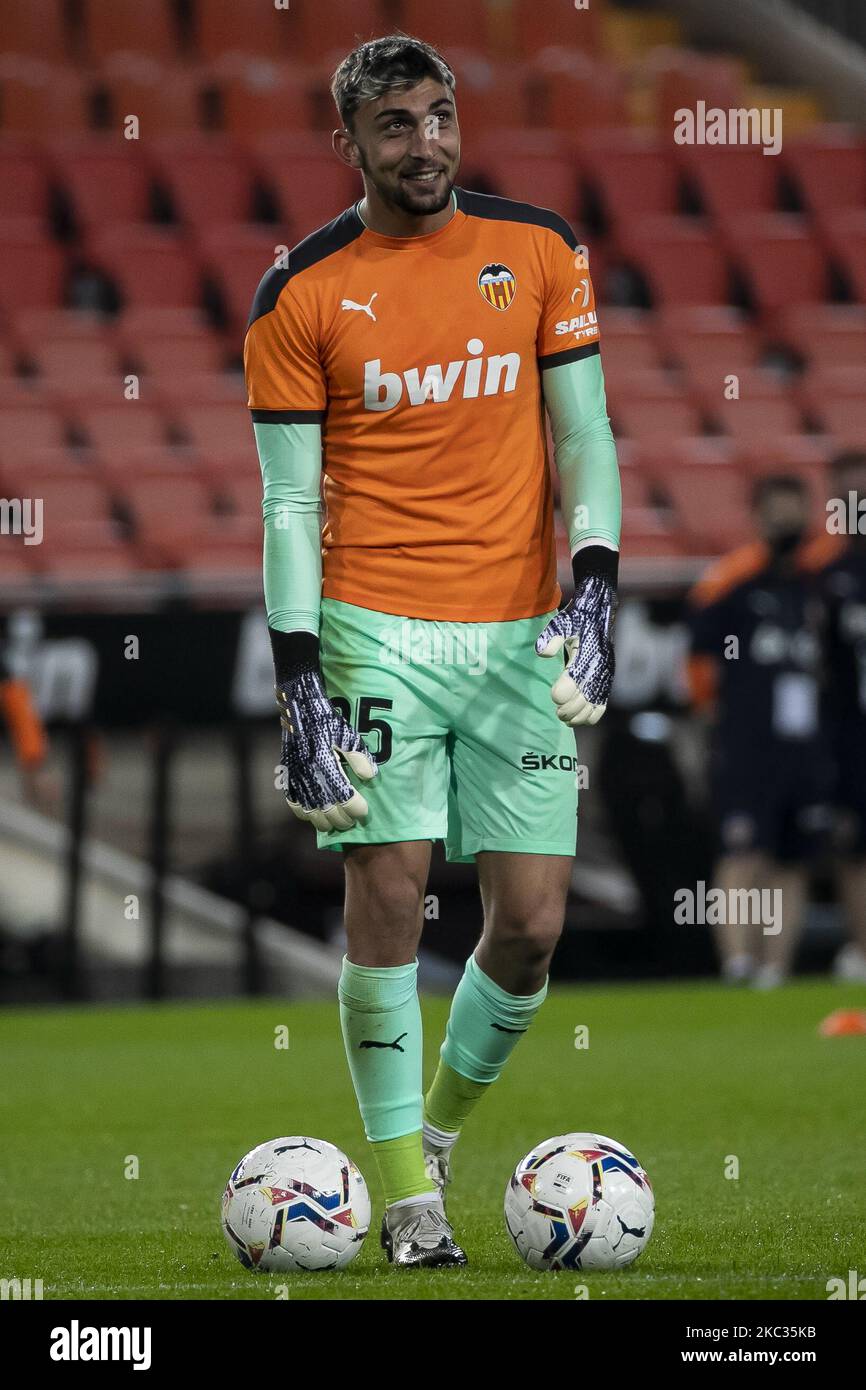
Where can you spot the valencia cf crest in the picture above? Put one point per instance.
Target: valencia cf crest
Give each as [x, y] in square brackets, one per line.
[498, 285]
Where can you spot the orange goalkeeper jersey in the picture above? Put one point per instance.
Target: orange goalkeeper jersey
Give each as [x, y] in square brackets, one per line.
[422, 359]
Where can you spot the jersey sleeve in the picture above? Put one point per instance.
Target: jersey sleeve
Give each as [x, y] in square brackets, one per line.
[284, 375]
[568, 326]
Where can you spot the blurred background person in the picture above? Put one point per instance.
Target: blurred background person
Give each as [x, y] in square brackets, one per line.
[839, 562]
[754, 672]
[28, 739]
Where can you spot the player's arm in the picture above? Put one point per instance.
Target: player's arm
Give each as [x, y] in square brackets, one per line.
[572, 384]
[287, 398]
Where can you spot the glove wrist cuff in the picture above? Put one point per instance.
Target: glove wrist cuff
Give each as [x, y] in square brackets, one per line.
[595, 560]
[295, 654]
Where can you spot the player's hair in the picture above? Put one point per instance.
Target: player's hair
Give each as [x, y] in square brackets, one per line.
[777, 482]
[849, 458]
[374, 68]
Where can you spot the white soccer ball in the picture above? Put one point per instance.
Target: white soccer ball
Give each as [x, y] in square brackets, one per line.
[295, 1203]
[579, 1201]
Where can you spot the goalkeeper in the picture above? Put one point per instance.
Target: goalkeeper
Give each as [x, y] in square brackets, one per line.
[427, 680]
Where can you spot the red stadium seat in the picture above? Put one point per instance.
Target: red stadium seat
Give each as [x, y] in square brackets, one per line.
[633, 172]
[105, 564]
[141, 463]
[55, 462]
[71, 360]
[31, 425]
[258, 97]
[546, 175]
[160, 511]
[681, 262]
[208, 177]
[753, 418]
[36, 29]
[485, 89]
[256, 27]
[711, 502]
[32, 268]
[217, 428]
[708, 343]
[41, 98]
[731, 179]
[845, 233]
[538, 23]
[105, 177]
[449, 23]
[656, 419]
[682, 78]
[778, 255]
[24, 190]
[835, 332]
[165, 100]
[237, 258]
[130, 424]
[170, 359]
[312, 185]
[829, 168]
[566, 88]
[143, 27]
[629, 342]
[150, 266]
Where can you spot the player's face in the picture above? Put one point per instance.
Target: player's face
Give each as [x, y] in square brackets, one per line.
[783, 517]
[409, 147]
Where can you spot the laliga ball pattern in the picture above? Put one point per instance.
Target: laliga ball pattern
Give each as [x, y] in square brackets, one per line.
[579, 1201]
[293, 1204]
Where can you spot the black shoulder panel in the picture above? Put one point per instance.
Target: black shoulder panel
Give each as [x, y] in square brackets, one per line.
[314, 248]
[507, 210]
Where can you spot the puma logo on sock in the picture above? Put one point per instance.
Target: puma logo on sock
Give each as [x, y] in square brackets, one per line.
[499, 1028]
[369, 1042]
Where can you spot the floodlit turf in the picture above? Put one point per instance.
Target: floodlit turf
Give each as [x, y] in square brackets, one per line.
[686, 1076]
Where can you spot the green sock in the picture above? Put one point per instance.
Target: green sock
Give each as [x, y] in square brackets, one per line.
[450, 1098]
[484, 1026]
[381, 1021]
[401, 1167]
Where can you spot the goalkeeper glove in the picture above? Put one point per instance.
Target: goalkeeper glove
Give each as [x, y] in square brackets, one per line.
[584, 627]
[317, 740]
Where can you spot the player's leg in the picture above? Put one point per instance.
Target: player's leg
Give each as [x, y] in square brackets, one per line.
[503, 986]
[737, 943]
[851, 962]
[512, 808]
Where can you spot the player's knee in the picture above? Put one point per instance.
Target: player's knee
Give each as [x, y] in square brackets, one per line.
[531, 933]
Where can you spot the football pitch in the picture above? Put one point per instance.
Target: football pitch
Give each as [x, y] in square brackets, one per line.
[701, 1082]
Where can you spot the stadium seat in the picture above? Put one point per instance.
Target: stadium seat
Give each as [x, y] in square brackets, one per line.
[160, 511]
[546, 175]
[32, 268]
[107, 564]
[31, 426]
[567, 87]
[844, 232]
[711, 503]
[485, 89]
[258, 97]
[629, 342]
[130, 424]
[731, 179]
[678, 257]
[24, 187]
[681, 78]
[776, 251]
[149, 265]
[217, 428]
[656, 419]
[42, 98]
[147, 26]
[835, 332]
[447, 24]
[224, 26]
[143, 463]
[105, 178]
[708, 342]
[36, 29]
[207, 176]
[536, 24]
[236, 258]
[311, 184]
[170, 358]
[165, 100]
[632, 172]
[71, 360]
[828, 166]
[750, 417]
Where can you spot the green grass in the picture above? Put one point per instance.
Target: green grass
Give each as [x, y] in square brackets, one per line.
[683, 1075]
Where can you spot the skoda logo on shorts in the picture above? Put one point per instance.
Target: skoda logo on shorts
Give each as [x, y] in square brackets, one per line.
[562, 762]
[498, 285]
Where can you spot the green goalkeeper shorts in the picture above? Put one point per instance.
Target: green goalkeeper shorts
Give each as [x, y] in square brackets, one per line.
[460, 719]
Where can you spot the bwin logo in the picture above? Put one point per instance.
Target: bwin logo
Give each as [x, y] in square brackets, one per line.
[435, 385]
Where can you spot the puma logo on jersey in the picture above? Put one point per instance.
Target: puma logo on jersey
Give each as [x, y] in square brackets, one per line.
[362, 308]
[469, 378]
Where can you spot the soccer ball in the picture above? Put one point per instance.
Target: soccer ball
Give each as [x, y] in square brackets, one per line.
[579, 1201]
[295, 1203]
